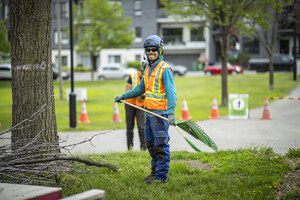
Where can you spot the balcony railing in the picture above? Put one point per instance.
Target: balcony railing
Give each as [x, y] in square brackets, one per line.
[173, 39]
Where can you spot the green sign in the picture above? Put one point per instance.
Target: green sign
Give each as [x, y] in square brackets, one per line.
[238, 106]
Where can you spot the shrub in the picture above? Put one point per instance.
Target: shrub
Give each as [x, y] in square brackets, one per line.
[293, 153]
[242, 59]
[134, 64]
[82, 69]
[66, 68]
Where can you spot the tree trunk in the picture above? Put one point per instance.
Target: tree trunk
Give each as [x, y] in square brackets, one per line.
[61, 89]
[33, 109]
[271, 72]
[92, 65]
[224, 45]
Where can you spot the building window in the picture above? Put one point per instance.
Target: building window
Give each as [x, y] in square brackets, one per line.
[64, 10]
[114, 59]
[250, 46]
[138, 35]
[172, 35]
[197, 34]
[137, 8]
[6, 12]
[86, 61]
[64, 61]
[138, 32]
[64, 39]
[138, 57]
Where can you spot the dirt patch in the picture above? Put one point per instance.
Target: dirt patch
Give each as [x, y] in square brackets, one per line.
[290, 187]
[196, 164]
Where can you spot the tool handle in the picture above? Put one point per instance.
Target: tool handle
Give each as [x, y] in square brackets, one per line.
[152, 113]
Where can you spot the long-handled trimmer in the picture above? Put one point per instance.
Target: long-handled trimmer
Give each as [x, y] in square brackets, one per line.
[190, 127]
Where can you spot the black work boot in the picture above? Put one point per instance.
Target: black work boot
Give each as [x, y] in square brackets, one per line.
[155, 180]
[151, 176]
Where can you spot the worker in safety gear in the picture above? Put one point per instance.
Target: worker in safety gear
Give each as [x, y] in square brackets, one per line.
[161, 98]
[133, 113]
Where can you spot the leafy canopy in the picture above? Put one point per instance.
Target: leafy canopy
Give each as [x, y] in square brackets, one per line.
[100, 25]
[230, 15]
[4, 43]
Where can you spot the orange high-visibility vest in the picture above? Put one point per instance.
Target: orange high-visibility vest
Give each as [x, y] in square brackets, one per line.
[135, 78]
[156, 98]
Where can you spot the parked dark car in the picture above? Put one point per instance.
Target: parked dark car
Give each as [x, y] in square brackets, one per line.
[282, 62]
[216, 68]
[65, 75]
[178, 70]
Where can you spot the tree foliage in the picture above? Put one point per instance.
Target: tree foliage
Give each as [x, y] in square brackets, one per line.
[266, 31]
[225, 18]
[4, 43]
[100, 25]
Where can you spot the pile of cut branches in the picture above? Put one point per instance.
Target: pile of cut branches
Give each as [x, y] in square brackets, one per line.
[20, 163]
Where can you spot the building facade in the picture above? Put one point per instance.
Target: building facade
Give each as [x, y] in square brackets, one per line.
[185, 41]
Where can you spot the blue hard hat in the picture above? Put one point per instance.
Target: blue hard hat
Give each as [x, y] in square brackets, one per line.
[153, 41]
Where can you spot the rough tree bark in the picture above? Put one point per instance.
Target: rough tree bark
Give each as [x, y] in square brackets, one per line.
[224, 46]
[32, 79]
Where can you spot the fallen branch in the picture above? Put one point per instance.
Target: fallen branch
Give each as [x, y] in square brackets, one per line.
[85, 161]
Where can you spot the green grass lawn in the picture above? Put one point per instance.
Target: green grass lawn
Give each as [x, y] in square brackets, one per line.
[198, 92]
[241, 174]
[255, 173]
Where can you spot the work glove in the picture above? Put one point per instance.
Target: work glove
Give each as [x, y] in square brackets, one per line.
[171, 119]
[119, 98]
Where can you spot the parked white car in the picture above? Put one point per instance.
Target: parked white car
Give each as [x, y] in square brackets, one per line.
[5, 71]
[114, 71]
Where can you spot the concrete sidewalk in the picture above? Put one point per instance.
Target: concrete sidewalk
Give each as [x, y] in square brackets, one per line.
[280, 133]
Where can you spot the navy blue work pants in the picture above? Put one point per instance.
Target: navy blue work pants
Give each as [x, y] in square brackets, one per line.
[157, 140]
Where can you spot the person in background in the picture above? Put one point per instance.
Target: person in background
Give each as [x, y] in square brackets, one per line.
[133, 113]
[161, 99]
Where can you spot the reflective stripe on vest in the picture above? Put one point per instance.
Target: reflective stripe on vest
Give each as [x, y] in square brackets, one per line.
[135, 78]
[156, 98]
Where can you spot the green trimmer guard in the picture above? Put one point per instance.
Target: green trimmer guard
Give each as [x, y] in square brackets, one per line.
[197, 132]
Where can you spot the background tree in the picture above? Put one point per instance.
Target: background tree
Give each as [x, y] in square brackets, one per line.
[101, 25]
[266, 31]
[226, 16]
[33, 110]
[4, 43]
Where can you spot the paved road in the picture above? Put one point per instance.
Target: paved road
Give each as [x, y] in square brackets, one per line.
[86, 76]
[280, 133]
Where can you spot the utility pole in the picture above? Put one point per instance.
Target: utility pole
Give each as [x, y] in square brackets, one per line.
[294, 49]
[72, 95]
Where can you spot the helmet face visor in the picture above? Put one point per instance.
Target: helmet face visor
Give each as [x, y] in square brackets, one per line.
[153, 41]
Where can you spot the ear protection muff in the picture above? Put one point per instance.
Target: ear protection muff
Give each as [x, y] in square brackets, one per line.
[160, 51]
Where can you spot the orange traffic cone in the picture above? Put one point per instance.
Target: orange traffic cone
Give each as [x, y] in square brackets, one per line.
[116, 114]
[266, 111]
[185, 115]
[214, 110]
[83, 116]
